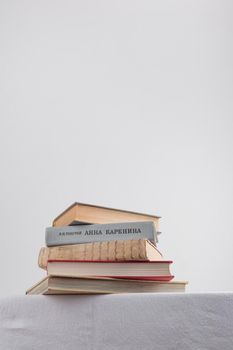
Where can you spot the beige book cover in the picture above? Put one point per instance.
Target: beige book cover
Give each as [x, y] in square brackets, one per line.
[66, 285]
[95, 214]
[124, 250]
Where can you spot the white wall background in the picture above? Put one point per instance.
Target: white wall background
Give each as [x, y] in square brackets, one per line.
[119, 103]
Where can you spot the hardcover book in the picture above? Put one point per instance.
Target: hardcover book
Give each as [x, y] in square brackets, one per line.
[66, 285]
[149, 270]
[100, 232]
[86, 213]
[135, 249]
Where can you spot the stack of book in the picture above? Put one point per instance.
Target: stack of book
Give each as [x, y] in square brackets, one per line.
[97, 250]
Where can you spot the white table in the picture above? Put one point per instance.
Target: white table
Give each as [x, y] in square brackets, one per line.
[110, 322]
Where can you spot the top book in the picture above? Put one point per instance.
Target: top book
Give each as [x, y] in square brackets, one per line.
[80, 213]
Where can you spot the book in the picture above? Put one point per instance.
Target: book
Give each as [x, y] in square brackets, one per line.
[149, 270]
[79, 213]
[100, 232]
[135, 249]
[66, 285]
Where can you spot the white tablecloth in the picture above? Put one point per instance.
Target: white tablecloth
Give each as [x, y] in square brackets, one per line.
[110, 322]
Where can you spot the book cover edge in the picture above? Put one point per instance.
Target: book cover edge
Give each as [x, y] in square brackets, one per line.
[102, 207]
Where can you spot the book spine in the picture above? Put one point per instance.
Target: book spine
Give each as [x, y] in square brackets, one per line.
[55, 236]
[103, 251]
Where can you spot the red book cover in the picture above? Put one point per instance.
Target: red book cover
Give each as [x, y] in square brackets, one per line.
[114, 261]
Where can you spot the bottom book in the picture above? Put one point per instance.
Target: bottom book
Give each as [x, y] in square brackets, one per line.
[68, 285]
